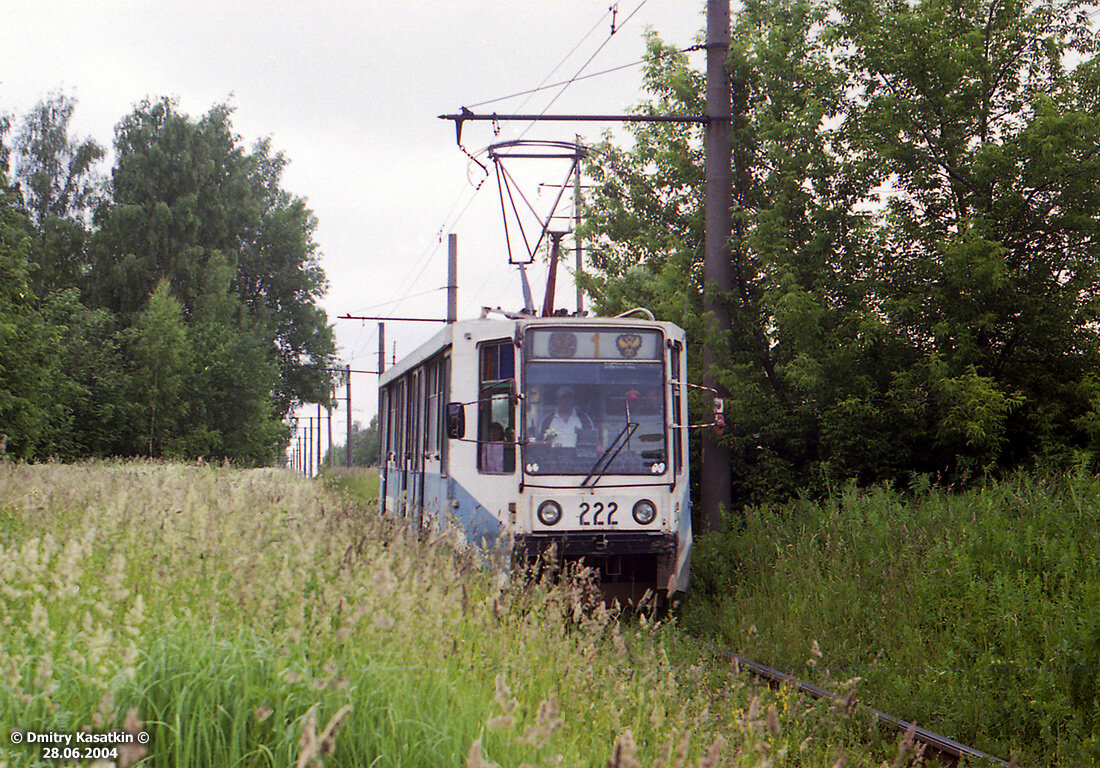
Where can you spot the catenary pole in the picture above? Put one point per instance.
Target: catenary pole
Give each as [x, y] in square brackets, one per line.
[578, 242]
[715, 481]
[347, 447]
[452, 277]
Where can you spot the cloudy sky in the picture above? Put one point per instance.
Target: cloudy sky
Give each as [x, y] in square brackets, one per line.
[350, 91]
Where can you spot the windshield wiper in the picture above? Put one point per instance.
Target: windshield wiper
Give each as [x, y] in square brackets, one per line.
[607, 457]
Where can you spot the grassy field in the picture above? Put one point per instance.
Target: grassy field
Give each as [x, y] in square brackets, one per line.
[975, 614]
[253, 618]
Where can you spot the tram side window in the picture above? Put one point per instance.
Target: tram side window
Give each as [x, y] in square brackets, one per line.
[383, 425]
[432, 411]
[496, 433]
[398, 412]
[444, 396]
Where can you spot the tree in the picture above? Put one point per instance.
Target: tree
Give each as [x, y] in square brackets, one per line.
[796, 242]
[364, 446]
[988, 136]
[28, 345]
[162, 355]
[232, 411]
[61, 187]
[185, 190]
[56, 172]
[949, 331]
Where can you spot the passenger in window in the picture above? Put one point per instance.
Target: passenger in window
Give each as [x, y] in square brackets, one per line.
[492, 450]
[565, 425]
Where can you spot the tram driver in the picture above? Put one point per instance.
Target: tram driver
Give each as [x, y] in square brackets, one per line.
[567, 426]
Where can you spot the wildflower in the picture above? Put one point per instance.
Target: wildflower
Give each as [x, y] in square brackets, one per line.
[475, 759]
[622, 755]
[714, 753]
[503, 695]
[39, 623]
[311, 747]
[130, 753]
[773, 720]
[500, 723]
[905, 746]
[815, 654]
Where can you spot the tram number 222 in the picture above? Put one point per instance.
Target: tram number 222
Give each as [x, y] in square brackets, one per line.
[598, 509]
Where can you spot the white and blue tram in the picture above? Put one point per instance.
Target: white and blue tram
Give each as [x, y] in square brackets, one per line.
[565, 432]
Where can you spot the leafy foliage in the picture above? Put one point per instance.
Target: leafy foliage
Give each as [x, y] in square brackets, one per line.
[172, 312]
[186, 191]
[28, 344]
[364, 447]
[914, 239]
[973, 614]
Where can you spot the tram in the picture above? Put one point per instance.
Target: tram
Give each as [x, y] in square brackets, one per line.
[548, 432]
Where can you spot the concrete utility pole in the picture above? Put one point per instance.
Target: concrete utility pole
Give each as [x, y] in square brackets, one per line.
[308, 445]
[552, 279]
[452, 277]
[578, 242]
[347, 447]
[715, 482]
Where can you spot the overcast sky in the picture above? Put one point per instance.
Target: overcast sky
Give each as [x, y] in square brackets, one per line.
[350, 91]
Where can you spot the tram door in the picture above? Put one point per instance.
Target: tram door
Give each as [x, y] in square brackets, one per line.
[399, 453]
[414, 419]
[435, 399]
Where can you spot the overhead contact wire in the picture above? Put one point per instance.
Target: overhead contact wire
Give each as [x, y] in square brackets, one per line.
[576, 75]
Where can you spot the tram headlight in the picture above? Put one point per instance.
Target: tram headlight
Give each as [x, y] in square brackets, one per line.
[549, 512]
[645, 512]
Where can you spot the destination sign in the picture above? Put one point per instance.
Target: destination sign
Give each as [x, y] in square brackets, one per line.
[626, 344]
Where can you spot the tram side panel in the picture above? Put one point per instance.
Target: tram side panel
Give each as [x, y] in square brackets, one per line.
[478, 496]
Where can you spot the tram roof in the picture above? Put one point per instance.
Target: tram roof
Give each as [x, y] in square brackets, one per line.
[495, 327]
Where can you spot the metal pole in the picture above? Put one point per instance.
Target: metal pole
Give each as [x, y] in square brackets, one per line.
[552, 278]
[452, 277]
[716, 480]
[320, 454]
[381, 348]
[347, 451]
[309, 446]
[578, 242]
[331, 455]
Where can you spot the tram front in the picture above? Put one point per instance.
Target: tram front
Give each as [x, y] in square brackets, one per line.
[604, 476]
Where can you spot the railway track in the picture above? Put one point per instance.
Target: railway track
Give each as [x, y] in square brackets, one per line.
[947, 751]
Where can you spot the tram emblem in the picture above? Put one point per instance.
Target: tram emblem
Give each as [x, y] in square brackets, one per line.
[628, 344]
[563, 344]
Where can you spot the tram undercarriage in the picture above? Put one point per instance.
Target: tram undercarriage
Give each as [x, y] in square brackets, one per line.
[632, 568]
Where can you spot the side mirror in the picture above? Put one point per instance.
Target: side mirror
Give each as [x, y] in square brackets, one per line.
[456, 420]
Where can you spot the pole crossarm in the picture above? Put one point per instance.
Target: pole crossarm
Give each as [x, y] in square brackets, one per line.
[395, 319]
[701, 119]
[466, 114]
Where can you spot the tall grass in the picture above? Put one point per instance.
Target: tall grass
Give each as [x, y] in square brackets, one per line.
[253, 618]
[975, 614]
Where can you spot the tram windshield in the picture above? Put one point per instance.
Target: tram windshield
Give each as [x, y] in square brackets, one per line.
[594, 402]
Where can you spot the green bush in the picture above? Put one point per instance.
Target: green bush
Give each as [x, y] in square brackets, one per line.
[975, 614]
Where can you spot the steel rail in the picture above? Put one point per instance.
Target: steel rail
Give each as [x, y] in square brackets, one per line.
[944, 747]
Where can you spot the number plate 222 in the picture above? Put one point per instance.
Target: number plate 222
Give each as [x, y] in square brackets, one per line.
[598, 514]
